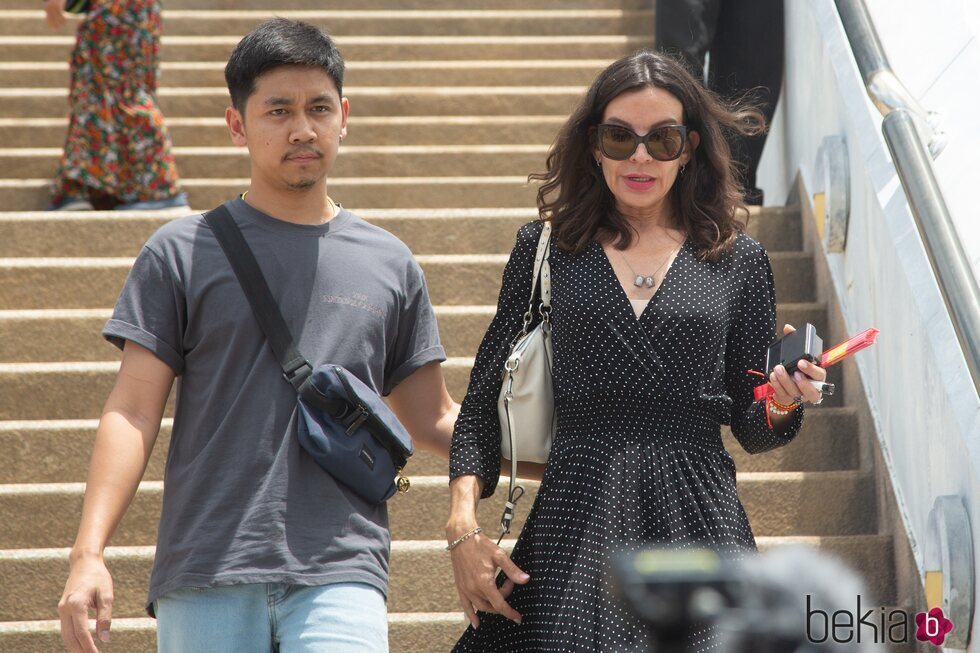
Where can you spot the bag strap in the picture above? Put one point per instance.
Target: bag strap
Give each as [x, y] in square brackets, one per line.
[296, 369]
[542, 272]
[541, 267]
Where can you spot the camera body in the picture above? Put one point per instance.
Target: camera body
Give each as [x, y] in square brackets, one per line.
[788, 351]
[743, 602]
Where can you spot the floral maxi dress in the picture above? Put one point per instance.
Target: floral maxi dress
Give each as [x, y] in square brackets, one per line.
[637, 457]
[117, 144]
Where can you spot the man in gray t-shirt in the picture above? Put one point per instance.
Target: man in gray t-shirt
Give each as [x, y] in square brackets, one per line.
[258, 545]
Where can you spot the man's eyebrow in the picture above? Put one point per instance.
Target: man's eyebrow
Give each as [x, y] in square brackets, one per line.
[276, 101]
[324, 98]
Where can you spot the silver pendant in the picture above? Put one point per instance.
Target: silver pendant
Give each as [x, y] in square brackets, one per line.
[641, 281]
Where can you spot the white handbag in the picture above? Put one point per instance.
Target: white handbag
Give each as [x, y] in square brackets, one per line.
[526, 405]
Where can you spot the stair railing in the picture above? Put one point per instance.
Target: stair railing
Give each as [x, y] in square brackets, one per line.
[914, 139]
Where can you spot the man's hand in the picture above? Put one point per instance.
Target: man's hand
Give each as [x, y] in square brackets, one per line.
[127, 431]
[89, 588]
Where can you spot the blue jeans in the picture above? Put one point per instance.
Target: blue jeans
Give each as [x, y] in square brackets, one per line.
[273, 618]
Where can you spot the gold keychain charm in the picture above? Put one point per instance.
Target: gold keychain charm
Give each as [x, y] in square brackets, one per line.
[403, 484]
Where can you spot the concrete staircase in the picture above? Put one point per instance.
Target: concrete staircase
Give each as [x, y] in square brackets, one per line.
[450, 111]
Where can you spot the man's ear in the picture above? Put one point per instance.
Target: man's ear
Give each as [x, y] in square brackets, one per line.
[236, 126]
[344, 112]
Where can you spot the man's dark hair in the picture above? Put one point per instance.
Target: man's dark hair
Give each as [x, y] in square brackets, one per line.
[280, 42]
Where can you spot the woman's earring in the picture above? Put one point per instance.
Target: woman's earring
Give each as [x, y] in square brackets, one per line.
[598, 164]
[683, 167]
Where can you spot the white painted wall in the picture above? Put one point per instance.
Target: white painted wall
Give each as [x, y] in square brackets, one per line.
[921, 394]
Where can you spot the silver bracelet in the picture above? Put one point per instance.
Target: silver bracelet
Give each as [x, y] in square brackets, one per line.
[462, 538]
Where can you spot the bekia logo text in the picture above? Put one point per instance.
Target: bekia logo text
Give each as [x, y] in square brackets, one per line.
[880, 626]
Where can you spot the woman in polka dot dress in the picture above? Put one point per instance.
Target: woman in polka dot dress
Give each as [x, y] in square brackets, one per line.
[660, 305]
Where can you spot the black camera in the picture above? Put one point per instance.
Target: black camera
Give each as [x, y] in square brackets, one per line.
[788, 351]
[745, 603]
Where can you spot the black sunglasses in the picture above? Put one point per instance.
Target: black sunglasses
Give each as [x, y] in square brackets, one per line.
[663, 143]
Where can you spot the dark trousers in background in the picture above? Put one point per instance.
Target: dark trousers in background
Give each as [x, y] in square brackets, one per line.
[745, 42]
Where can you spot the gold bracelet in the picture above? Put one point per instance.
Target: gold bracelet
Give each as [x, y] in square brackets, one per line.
[462, 538]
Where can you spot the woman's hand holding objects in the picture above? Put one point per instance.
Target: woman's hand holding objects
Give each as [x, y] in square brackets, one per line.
[797, 388]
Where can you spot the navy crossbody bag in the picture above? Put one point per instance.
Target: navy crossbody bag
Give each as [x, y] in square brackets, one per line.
[343, 424]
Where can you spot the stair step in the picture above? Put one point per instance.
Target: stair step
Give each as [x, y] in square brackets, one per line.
[395, 7]
[421, 580]
[33, 391]
[486, 22]
[520, 72]
[356, 192]
[190, 101]
[777, 503]
[58, 451]
[362, 130]
[366, 101]
[40, 391]
[421, 574]
[457, 23]
[74, 335]
[461, 231]
[468, 279]
[407, 633]
[353, 160]
[365, 48]
[122, 234]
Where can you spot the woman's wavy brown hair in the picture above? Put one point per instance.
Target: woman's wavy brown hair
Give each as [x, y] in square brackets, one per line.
[707, 199]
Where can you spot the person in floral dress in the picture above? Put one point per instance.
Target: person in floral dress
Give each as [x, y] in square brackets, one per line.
[117, 152]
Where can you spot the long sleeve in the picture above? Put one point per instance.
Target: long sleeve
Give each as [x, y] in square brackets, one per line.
[753, 328]
[476, 437]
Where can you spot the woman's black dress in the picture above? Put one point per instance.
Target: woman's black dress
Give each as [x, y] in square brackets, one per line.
[637, 457]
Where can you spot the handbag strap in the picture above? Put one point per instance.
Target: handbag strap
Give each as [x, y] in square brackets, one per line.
[296, 369]
[541, 267]
[540, 273]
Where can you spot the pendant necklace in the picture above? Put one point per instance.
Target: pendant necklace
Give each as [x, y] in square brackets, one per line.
[641, 280]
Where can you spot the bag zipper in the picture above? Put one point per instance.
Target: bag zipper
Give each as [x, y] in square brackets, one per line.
[363, 415]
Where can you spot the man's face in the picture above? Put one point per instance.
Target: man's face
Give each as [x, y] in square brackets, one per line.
[293, 125]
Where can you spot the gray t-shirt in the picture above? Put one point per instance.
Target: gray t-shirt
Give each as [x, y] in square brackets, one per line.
[242, 502]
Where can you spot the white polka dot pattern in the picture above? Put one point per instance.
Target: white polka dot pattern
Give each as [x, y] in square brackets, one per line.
[637, 457]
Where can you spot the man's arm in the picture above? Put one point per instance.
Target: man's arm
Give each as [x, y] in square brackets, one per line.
[422, 403]
[127, 431]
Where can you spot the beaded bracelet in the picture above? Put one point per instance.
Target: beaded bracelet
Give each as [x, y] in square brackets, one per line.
[781, 409]
[462, 538]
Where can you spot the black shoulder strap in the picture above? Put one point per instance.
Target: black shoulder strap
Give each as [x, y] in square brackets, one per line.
[295, 367]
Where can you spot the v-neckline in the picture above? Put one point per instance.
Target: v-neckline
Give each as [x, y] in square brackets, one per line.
[622, 291]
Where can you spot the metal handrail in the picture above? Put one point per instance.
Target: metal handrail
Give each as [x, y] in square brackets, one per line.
[887, 91]
[902, 127]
